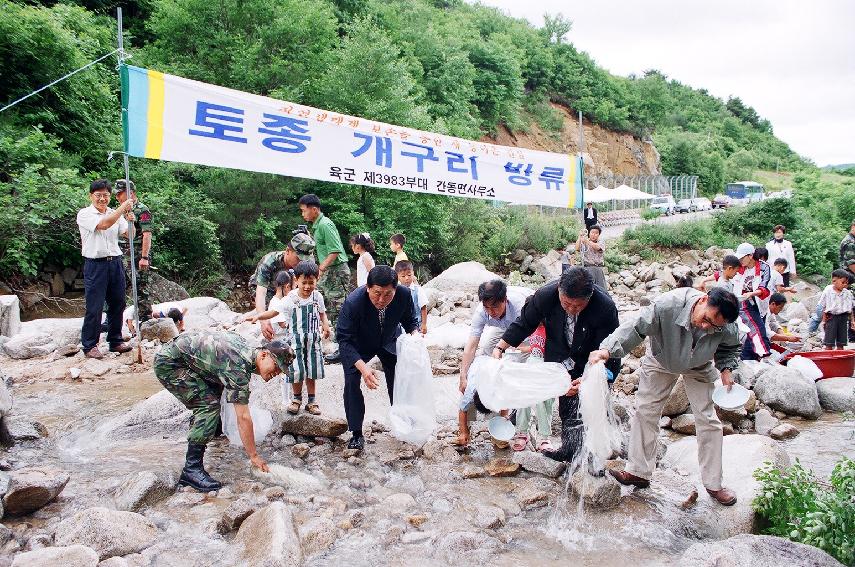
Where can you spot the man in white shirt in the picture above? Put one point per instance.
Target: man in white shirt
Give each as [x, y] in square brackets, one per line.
[103, 270]
[590, 216]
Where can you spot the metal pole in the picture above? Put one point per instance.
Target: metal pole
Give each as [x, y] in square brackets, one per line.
[131, 226]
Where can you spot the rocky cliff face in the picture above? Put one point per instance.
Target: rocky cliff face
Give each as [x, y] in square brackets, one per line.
[606, 152]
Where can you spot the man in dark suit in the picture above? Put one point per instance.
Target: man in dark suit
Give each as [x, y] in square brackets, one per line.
[590, 216]
[577, 316]
[368, 326]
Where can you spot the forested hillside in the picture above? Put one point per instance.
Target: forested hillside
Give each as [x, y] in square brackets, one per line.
[444, 66]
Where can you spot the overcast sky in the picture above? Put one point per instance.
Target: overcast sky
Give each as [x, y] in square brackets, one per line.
[793, 61]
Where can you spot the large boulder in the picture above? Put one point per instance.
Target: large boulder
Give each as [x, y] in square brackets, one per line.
[796, 310]
[269, 538]
[72, 556]
[24, 346]
[146, 488]
[464, 277]
[548, 266]
[64, 332]
[109, 532]
[741, 456]
[810, 302]
[206, 312]
[161, 414]
[747, 550]
[161, 290]
[788, 390]
[16, 429]
[310, 425]
[678, 401]
[32, 488]
[10, 315]
[836, 394]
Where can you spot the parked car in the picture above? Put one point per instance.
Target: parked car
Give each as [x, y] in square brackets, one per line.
[701, 204]
[722, 202]
[685, 206]
[664, 204]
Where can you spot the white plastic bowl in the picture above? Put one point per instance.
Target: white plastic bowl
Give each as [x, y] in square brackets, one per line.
[732, 400]
[501, 428]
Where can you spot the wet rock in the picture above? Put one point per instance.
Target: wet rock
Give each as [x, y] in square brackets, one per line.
[665, 422]
[684, 424]
[440, 451]
[161, 329]
[531, 497]
[538, 463]
[71, 556]
[398, 503]
[288, 478]
[300, 450]
[10, 315]
[269, 539]
[94, 368]
[417, 520]
[32, 488]
[469, 546]
[108, 532]
[20, 428]
[747, 550]
[783, 431]
[411, 484]
[787, 390]
[471, 471]
[145, 489]
[489, 517]
[598, 492]
[317, 535]
[764, 421]
[731, 416]
[118, 562]
[678, 401]
[501, 467]
[837, 394]
[310, 425]
[741, 456]
[161, 414]
[273, 492]
[751, 404]
[234, 515]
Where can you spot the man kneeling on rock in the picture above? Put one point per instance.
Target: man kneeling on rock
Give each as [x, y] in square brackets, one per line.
[693, 334]
[196, 367]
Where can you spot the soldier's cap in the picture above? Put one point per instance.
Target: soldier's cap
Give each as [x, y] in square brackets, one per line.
[303, 245]
[282, 353]
[119, 186]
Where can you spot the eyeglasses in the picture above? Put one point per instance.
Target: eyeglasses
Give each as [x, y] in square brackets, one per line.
[101, 196]
[709, 322]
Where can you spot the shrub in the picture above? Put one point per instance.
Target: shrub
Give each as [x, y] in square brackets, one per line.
[650, 214]
[797, 506]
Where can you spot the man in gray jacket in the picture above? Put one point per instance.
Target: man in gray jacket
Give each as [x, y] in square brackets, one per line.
[693, 334]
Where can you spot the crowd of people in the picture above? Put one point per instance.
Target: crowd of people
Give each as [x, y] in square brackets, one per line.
[572, 321]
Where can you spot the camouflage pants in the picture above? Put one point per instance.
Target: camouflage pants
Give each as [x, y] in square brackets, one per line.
[143, 298]
[335, 285]
[199, 396]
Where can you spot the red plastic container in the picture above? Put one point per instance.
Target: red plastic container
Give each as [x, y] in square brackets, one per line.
[832, 363]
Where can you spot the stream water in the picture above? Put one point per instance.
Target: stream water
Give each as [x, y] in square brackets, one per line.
[643, 530]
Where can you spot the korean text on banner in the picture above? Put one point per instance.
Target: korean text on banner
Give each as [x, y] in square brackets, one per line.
[176, 119]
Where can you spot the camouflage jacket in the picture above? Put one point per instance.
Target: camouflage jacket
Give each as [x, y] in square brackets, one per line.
[847, 250]
[219, 358]
[141, 225]
[267, 268]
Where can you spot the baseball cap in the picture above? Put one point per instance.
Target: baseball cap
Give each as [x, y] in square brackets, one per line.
[282, 353]
[303, 245]
[744, 249]
[119, 186]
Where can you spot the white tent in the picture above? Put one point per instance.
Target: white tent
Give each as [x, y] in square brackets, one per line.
[598, 194]
[628, 193]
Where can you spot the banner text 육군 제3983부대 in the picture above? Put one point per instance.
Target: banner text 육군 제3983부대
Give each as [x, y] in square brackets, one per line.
[176, 119]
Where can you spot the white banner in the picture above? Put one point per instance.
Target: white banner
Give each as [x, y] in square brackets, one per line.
[176, 119]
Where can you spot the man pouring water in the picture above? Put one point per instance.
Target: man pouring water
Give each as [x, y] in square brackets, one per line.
[693, 334]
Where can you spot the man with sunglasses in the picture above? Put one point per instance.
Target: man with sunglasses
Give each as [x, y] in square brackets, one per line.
[694, 334]
[103, 271]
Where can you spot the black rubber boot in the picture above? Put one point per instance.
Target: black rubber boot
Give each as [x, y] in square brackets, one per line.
[571, 443]
[194, 474]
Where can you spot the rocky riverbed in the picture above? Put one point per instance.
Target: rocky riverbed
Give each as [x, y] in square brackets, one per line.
[93, 449]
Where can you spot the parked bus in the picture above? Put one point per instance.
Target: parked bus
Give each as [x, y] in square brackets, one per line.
[745, 192]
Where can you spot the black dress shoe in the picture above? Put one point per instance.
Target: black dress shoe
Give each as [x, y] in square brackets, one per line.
[333, 357]
[357, 443]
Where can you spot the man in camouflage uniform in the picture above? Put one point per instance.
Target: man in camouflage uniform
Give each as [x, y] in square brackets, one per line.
[196, 368]
[334, 282]
[142, 247]
[300, 248]
[847, 248]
